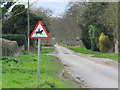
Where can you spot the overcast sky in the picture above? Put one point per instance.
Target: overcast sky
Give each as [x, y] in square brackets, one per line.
[58, 6]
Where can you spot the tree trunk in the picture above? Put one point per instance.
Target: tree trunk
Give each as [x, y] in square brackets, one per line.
[116, 47]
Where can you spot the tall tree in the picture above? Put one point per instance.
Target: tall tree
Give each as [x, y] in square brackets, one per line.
[110, 21]
[17, 22]
[6, 7]
[103, 15]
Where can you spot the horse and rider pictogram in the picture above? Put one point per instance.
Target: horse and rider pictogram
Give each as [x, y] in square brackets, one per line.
[39, 31]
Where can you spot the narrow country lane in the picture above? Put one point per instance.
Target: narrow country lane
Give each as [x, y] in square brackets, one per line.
[94, 74]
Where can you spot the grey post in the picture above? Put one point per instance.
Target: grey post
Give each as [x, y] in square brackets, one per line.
[28, 47]
[39, 60]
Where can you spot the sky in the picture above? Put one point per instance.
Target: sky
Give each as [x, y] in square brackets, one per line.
[58, 6]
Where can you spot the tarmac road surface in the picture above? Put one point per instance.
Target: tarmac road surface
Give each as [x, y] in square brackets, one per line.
[95, 75]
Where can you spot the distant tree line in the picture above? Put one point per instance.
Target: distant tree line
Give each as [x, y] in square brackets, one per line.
[104, 17]
[93, 21]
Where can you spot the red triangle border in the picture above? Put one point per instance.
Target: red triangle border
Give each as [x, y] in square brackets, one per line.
[40, 22]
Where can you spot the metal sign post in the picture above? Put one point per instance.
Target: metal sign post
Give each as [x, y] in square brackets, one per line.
[39, 32]
[39, 60]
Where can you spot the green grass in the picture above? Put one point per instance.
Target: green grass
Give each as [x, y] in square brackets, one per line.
[112, 56]
[44, 50]
[80, 49]
[21, 72]
[47, 50]
[83, 50]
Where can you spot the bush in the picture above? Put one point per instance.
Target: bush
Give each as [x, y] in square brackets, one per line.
[93, 36]
[19, 38]
[9, 48]
[104, 43]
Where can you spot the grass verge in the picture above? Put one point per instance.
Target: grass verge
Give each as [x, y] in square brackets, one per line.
[21, 72]
[112, 56]
[44, 50]
[83, 50]
[47, 50]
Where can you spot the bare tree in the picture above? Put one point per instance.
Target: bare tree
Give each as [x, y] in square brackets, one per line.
[42, 11]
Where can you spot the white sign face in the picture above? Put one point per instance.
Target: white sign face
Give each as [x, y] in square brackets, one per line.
[39, 31]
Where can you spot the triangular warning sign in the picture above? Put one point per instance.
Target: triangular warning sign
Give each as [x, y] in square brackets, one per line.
[39, 31]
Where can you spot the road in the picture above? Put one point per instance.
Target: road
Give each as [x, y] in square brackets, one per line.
[95, 75]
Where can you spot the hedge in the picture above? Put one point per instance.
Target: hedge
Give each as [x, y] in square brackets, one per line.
[19, 38]
[9, 48]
